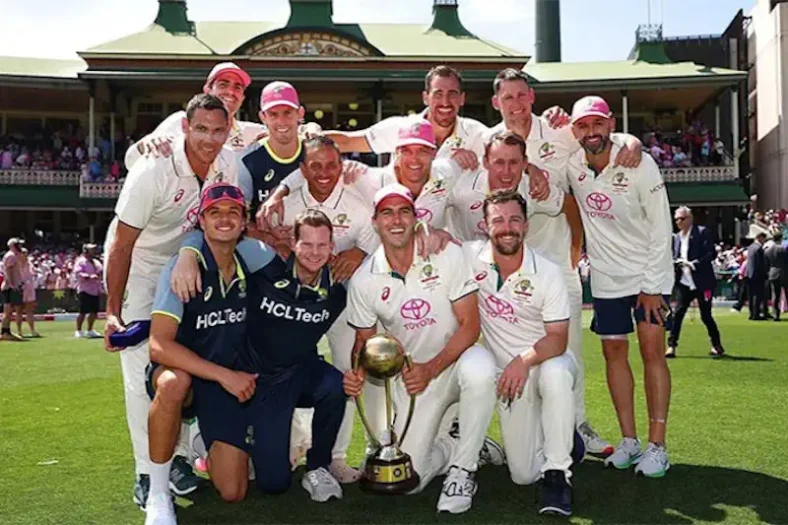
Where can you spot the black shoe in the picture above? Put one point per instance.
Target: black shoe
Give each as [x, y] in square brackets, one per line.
[578, 449]
[183, 480]
[717, 351]
[141, 490]
[556, 497]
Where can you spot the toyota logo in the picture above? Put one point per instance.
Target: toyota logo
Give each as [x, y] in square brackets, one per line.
[415, 309]
[423, 214]
[599, 201]
[498, 307]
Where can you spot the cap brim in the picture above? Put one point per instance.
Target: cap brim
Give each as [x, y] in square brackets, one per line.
[221, 199]
[416, 142]
[246, 80]
[393, 195]
[287, 103]
[591, 114]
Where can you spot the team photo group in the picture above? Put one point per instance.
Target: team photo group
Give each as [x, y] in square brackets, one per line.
[445, 281]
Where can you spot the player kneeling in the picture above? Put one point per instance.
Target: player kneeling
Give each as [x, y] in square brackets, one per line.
[524, 312]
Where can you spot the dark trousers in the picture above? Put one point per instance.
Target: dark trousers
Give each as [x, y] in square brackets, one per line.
[742, 294]
[756, 288]
[315, 384]
[684, 297]
[778, 286]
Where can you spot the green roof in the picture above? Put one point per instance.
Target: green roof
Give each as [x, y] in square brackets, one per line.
[629, 72]
[706, 194]
[41, 67]
[225, 38]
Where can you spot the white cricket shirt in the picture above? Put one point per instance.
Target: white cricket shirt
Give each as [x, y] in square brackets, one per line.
[415, 308]
[627, 222]
[513, 316]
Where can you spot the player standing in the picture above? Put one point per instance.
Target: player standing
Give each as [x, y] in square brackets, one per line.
[626, 215]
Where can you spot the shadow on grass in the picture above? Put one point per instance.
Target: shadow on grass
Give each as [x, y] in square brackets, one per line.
[686, 494]
[725, 357]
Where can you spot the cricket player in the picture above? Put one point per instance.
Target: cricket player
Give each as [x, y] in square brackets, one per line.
[12, 287]
[629, 237]
[430, 306]
[560, 238]
[157, 207]
[524, 311]
[226, 81]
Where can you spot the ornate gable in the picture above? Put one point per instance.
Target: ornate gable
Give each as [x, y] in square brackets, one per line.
[308, 43]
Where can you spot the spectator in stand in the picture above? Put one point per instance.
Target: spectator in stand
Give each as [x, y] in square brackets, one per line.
[7, 160]
[95, 170]
[11, 288]
[28, 295]
[88, 272]
[61, 279]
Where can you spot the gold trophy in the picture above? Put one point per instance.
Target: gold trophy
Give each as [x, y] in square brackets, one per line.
[388, 469]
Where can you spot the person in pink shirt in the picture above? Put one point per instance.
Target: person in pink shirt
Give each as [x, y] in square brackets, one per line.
[88, 270]
[28, 295]
[11, 287]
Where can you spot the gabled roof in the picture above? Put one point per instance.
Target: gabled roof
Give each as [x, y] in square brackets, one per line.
[224, 38]
[41, 67]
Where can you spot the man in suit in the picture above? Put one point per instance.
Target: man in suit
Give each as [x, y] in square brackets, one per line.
[777, 262]
[756, 277]
[693, 251]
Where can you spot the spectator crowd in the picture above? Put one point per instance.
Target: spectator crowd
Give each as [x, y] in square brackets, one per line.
[693, 146]
[52, 266]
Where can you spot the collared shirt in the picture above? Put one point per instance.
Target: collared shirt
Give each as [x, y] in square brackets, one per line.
[627, 222]
[467, 134]
[161, 197]
[686, 272]
[12, 277]
[466, 202]
[351, 217]
[261, 170]
[513, 311]
[416, 308]
[90, 267]
[242, 134]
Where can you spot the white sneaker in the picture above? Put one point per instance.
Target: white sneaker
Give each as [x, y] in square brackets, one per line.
[627, 453]
[321, 485]
[343, 472]
[595, 445]
[160, 511]
[458, 490]
[94, 335]
[654, 463]
[78, 334]
[491, 453]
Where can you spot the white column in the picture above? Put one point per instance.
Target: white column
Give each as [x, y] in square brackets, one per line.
[717, 119]
[92, 123]
[625, 105]
[735, 129]
[111, 136]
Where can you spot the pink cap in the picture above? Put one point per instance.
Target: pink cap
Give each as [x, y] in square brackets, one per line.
[392, 190]
[228, 68]
[590, 106]
[278, 93]
[419, 132]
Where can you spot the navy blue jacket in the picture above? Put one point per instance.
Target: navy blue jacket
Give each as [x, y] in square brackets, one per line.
[701, 252]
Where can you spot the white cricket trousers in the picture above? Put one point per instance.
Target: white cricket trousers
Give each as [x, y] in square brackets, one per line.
[575, 342]
[469, 381]
[137, 306]
[538, 428]
[341, 338]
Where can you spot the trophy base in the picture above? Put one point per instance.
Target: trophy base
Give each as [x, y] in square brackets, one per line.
[389, 477]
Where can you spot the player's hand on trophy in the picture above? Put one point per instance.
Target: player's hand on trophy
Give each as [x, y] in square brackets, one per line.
[654, 307]
[417, 377]
[353, 382]
[352, 170]
[112, 325]
[539, 183]
[431, 241]
[240, 384]
[465, 158]
[630, 155]
[185, 280]
[556, 117]
[512, 381]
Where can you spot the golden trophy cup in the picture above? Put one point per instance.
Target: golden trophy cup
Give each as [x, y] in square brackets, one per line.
[388, 469]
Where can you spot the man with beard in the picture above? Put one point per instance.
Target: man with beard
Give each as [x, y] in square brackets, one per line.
[157, 207]
[626, 215]
[227, 82]
[524, 311]
[560, 237]
[430, 306]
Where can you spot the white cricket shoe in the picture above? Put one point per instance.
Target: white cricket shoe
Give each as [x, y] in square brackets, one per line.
[160, 511]
[627, 453]
[94, 335]
[459, 487]
[595, 445]
[654, 463]
[321, 485]
[78, 334]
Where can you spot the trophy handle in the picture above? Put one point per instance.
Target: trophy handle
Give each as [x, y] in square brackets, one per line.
[411, 408]
[360, 408]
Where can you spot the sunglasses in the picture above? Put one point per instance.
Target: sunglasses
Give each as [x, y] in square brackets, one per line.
[223, 190]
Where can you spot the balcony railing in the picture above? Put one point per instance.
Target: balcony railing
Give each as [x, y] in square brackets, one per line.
[99, 190]
[700, 174]
[39, 177]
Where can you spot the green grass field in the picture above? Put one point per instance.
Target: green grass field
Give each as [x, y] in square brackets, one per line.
[62, 399]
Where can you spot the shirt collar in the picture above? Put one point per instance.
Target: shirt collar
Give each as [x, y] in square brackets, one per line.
[184, 169]
[481, 181]
[331, 202]
[380, 263]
